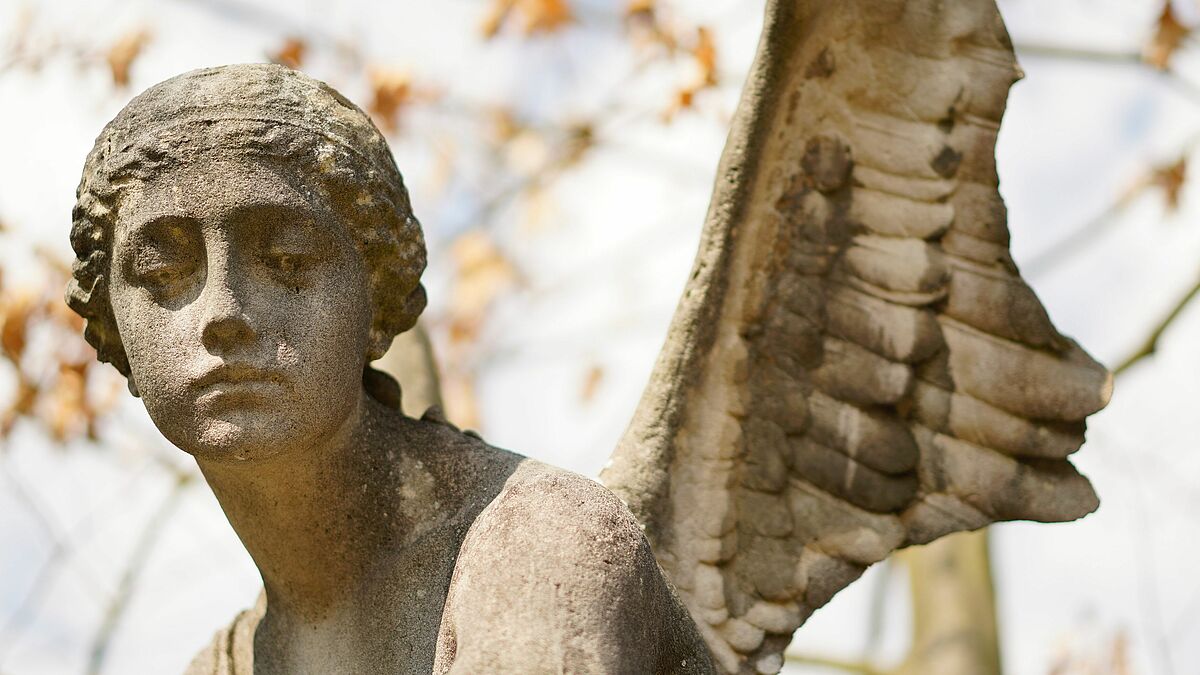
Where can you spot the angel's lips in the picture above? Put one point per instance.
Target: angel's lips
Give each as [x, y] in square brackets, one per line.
[240, 380]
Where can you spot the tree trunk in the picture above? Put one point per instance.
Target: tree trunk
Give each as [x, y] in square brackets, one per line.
[954, 608]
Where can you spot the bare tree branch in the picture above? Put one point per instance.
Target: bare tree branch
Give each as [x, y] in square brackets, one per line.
[1183, 85]
[1085, 54]
[133, 571]
[1150, 346]
[837, 664]
[1078, 240]
[62, 546]
[1081, 237]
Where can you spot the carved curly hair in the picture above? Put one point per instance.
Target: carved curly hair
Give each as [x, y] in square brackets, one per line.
[329, 145]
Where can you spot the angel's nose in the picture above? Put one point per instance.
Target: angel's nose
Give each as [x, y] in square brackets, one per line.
[224, 324]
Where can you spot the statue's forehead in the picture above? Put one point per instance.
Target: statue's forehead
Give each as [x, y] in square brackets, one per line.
[212, 187]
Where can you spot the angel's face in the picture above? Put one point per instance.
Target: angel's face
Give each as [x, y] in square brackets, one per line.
[243, 307]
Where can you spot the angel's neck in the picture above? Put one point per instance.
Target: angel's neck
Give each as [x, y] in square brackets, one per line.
[310, 518]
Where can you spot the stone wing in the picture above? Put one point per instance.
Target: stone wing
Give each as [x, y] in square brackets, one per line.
[856, 364]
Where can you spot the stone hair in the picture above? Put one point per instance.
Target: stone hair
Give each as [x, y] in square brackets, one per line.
[264, 111]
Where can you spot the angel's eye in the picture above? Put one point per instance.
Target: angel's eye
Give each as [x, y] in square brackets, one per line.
[163, 275]
[289, 244]
[164, 252]
[158, 267]
[291, 266]
[286, 263]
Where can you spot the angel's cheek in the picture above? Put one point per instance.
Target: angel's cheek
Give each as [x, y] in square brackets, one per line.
[164, 358]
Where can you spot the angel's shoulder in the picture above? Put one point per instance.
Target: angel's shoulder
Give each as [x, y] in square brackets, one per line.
[552, 536]
[510, 499]
[557, 570]
[553, 514]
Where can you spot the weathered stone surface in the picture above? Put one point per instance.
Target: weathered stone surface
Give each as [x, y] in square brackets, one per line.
[876, 440]
[855, 374]
[898, 332]
[856, 249]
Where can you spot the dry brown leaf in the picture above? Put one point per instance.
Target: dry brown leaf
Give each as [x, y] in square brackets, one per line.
[7, 420]
[291, 53]
[482, 274]
[22, 404]
[685, 98]
[1169, 33]
[705, 53]
[27, 395]
[544, 15]
[505, 126]
[498, 11]
[1171, 179]
[15, 317]
[52, 385]
[591, 382]
[537, 16]
[67, 411]
[462, 331]
[647, 26]
[391, 90]
[123, 53]
[581, 137]
[640, 9]
[642, 20]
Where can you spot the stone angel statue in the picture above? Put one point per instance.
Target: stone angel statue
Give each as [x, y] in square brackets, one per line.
[855, 366]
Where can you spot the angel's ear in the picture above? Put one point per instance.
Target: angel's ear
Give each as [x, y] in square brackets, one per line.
[393, 317]
[377, 345]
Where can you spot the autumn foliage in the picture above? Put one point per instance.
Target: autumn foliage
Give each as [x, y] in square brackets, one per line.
[59, 385]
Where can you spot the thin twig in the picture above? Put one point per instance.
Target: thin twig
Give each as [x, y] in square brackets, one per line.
[1085, 54]
[133, 570]
[1150, 346]
[1103, 57]
[1079, 239]
[62, 549]
[837, 664]
[58, 547]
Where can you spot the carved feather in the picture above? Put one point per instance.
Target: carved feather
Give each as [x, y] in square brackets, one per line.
[856, 364]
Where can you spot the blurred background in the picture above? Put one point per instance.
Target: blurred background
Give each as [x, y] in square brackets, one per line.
[560, 154]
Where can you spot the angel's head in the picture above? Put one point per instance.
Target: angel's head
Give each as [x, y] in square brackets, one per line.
[245, 246]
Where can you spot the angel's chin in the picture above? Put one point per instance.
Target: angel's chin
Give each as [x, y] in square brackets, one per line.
[235, 439]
